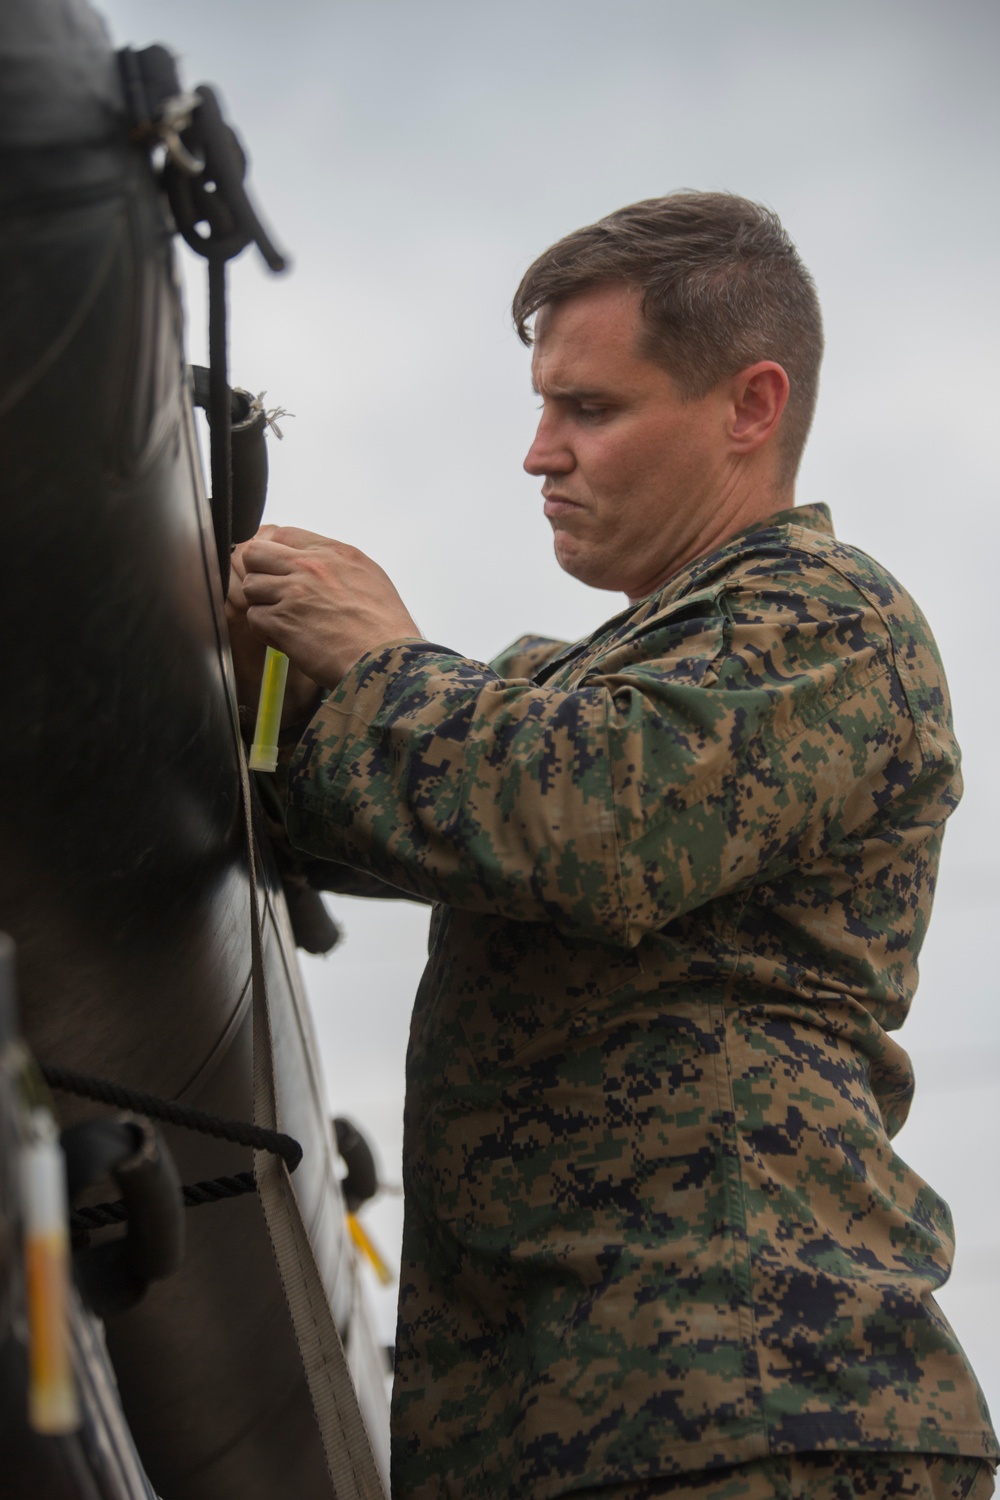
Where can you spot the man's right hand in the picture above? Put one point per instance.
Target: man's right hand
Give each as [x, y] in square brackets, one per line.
[302, 695]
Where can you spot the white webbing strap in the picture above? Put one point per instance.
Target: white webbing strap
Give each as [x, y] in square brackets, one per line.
[349, 1459]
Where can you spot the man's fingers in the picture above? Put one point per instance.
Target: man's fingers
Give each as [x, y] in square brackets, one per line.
[263, 588]
[268, 557]
[294, 536]
[235, 598]
[237, 562]
[269, 629]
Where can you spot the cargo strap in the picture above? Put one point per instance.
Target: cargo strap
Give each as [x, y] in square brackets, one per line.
[348, 1451]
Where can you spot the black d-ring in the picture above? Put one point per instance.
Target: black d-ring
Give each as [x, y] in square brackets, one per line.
[115, 1275]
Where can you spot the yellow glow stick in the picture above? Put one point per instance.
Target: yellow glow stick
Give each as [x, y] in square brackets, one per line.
[264, 750]
[52, 1399]
[368, 1250]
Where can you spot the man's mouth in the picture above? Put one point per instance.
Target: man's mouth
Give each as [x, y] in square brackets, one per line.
[560, 505]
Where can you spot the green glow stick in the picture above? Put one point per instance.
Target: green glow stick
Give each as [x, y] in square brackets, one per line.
[264, 750]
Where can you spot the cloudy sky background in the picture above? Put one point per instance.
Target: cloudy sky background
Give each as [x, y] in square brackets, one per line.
[414, 156]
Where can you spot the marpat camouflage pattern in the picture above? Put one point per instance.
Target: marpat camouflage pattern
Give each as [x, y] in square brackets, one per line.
[819, 1476]
[654, 1221]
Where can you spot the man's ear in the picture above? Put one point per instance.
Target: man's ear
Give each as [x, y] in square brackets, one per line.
[758, 396]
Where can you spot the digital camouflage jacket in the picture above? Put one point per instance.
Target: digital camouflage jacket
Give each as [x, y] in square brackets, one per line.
[682, 871]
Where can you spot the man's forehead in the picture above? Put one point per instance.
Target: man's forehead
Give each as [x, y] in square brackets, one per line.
[611, 308]
[579, 341]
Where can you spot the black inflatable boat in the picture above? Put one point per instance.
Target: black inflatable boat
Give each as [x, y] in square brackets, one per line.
[126, 880]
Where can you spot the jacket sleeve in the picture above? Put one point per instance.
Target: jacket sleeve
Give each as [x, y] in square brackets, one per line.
[722, 745]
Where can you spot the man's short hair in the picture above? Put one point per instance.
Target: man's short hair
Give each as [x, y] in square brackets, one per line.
[722, 287]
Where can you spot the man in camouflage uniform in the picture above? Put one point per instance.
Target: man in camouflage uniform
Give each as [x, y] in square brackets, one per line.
[657, 1239]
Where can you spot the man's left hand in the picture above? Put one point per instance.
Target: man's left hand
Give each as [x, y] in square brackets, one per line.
[322, 603]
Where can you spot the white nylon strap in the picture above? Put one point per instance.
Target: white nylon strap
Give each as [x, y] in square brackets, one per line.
[349, 1458]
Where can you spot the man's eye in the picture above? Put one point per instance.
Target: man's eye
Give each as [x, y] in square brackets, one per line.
[592, 413]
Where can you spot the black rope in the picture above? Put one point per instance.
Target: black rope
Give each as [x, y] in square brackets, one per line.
[195, 1194]
[105, 1092]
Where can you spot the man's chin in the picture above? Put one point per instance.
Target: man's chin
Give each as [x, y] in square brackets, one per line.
[585, 568]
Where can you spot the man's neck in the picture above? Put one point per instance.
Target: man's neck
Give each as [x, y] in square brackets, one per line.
[751, 512]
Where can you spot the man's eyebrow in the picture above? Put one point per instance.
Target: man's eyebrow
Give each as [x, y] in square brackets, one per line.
[572, 393]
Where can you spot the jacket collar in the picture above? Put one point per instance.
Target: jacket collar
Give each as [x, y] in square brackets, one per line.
[814, 518]
[811, 517]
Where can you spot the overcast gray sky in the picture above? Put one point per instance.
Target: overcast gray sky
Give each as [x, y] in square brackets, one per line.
[414, 158]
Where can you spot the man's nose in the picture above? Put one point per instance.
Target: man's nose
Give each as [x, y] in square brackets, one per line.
[548, 454]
